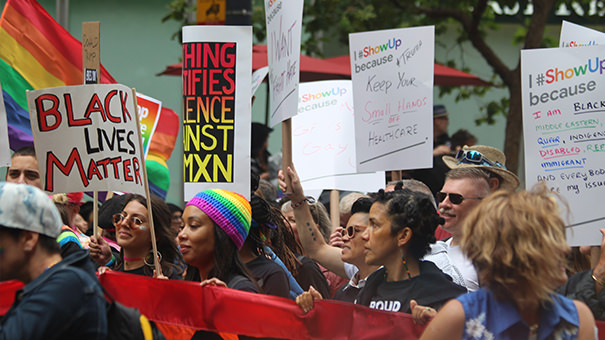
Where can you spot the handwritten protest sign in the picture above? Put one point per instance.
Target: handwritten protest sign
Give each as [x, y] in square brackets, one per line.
[149, 110]
[563, 116]
[323, 133]
[86, 138]
[392, 72]
[257, 78]
[284, 25]
[573, 35]
[217, 67]
[5, 155]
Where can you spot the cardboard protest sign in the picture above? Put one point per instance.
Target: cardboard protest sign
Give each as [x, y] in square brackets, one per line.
[217, 67]
[257, 78]
[323, 133]
[86, 138]
[392, 72]
[5, 154]
[573, 35]
[149, 110]
[284, 26]
[563, 116]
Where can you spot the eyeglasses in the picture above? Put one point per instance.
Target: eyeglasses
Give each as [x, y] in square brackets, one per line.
[351, 230]
[454, 198]
[119, 217]
[476, 157]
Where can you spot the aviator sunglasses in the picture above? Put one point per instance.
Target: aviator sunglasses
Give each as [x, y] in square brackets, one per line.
[454, 198]
[119, 217]
[476, 157]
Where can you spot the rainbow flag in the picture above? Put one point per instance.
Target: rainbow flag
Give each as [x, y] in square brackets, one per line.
[38, 53]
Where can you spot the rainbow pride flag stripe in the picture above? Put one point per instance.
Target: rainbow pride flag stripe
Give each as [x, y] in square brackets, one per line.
[36, 52]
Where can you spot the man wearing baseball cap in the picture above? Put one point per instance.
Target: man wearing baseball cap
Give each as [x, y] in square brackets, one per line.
[61, 298]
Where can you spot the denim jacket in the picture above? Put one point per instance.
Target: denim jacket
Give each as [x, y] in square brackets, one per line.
[64, 302]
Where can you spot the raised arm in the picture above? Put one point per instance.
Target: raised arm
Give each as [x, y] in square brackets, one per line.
[310, 237]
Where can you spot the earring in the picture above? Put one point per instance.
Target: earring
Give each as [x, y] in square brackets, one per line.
[405, 264]
[149, 258]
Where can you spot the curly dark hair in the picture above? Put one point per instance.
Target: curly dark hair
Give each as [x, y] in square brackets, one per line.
[414, 210]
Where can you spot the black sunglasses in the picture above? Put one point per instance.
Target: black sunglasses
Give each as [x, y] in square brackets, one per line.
[351, 230]
[476, 157]
[454, 198]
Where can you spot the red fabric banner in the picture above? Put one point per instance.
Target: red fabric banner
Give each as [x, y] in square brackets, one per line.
[180, 307]
[222, 309]
[7, 294]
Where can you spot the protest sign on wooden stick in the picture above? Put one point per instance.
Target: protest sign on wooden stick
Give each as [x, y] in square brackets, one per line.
[91, 64]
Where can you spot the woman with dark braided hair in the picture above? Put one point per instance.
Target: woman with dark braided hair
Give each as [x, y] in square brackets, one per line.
[269, 276]
[402, 226]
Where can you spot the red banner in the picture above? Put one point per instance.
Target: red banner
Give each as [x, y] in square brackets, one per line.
[227, 310]
[181, 307]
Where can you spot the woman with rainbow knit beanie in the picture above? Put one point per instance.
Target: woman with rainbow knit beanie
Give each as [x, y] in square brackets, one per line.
[216, 223]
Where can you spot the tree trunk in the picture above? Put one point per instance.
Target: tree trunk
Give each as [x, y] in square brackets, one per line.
[514, 123]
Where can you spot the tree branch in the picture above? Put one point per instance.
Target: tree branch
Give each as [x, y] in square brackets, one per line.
[471, 25]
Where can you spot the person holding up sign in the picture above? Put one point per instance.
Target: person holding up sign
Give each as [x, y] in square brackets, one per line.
[517, 243]
[134, 237]
[400, 229]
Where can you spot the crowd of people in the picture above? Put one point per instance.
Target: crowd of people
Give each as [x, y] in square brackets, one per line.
[476, 258]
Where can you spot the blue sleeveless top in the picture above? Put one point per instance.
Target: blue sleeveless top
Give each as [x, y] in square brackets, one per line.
[487, 318]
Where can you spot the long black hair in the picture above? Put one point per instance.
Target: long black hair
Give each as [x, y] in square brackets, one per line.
[226, 260]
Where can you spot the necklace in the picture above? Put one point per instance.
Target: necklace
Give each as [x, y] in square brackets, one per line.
[132, 259]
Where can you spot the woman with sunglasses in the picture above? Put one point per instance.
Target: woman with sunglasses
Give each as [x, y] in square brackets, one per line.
[400, 229]
[517, 243]
[134, 237]
[347, 262]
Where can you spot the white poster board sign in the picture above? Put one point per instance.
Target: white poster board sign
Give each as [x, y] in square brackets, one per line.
[217, 68]
[284, 26]
[573, 35]
[365, 182]
[563, 116]
[257, 78]
[392, 72]
[5, 154]
[323, 133]
[87, 138]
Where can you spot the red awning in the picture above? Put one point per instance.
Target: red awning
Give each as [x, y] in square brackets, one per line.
[312, 69]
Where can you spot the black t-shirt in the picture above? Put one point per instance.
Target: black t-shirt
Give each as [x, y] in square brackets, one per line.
[269, 276]
[431, 288]
[346, 293]
[309, 274]
[240, 282]
[173, 275]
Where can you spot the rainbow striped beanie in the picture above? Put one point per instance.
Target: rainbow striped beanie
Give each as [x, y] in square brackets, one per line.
[229, 210]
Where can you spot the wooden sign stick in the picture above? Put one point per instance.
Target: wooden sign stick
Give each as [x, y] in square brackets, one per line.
[91, 65]
[154, 247]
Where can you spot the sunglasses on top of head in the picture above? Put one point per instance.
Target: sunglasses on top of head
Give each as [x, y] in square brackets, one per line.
[454, 198]
[476, 157]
